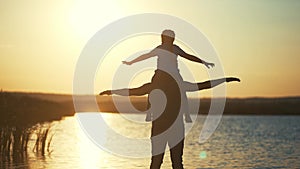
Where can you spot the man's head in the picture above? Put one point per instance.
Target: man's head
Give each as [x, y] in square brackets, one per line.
[167, 36]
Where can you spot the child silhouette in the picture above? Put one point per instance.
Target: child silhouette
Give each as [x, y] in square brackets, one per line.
[167, 63]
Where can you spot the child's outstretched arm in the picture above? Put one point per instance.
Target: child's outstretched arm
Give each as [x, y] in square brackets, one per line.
[193, 58]
[145, 89]
[208, 84]
[140, 58]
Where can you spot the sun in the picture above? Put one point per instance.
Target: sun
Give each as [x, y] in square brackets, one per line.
[87, 17]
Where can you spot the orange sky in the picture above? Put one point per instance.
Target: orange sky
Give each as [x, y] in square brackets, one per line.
[257, 41]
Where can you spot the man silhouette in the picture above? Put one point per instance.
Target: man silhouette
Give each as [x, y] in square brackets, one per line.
[167, 123]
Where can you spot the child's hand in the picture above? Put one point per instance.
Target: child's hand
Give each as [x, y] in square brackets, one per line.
[209, 65]
[126, 63]
[107, 92]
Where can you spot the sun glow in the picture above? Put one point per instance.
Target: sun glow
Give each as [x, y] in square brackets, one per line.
[87, 18]
[40, 42]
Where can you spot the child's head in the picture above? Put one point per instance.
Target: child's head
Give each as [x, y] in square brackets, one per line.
[167, 36]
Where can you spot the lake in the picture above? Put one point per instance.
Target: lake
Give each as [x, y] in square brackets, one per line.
[238, 142]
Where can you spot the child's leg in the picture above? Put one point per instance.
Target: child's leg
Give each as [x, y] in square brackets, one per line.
[185, 107]
[148, 114]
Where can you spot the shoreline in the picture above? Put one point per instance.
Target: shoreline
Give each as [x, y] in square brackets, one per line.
[40, 107]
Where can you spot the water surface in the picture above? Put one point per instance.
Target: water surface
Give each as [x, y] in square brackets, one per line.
[238, 142]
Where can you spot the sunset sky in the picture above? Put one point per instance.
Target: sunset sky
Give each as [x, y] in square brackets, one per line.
[256, 40]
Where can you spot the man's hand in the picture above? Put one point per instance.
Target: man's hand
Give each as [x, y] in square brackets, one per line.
[231, 79]
[106, 92]
[126, 63]
[209, 65]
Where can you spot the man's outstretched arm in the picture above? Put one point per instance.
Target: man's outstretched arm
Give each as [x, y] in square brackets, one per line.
[140, 58]
[208, 84]
[193, 58]
[145, 89]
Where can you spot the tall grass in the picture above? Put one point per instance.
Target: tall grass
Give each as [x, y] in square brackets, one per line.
[43, 141]
[23, 120]
[14, 141]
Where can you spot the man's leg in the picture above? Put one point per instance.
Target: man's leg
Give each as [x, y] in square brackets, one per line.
[156, 161]
[158, 146]
[176, 155]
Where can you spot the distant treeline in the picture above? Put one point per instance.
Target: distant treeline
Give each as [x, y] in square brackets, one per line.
[35, 107]
[245, 106]
[22, 109]
[25, 119]
[257, 106]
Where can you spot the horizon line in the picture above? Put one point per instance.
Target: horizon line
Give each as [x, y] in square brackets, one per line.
[203, 97]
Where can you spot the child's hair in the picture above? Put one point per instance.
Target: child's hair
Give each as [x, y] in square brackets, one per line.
[168, 33]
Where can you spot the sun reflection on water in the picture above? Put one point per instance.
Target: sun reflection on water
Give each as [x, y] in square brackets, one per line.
[89, 154]
[233, 145]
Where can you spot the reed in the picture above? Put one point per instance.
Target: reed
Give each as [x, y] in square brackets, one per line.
[25, 120]
[14, 141]
[42, 143]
